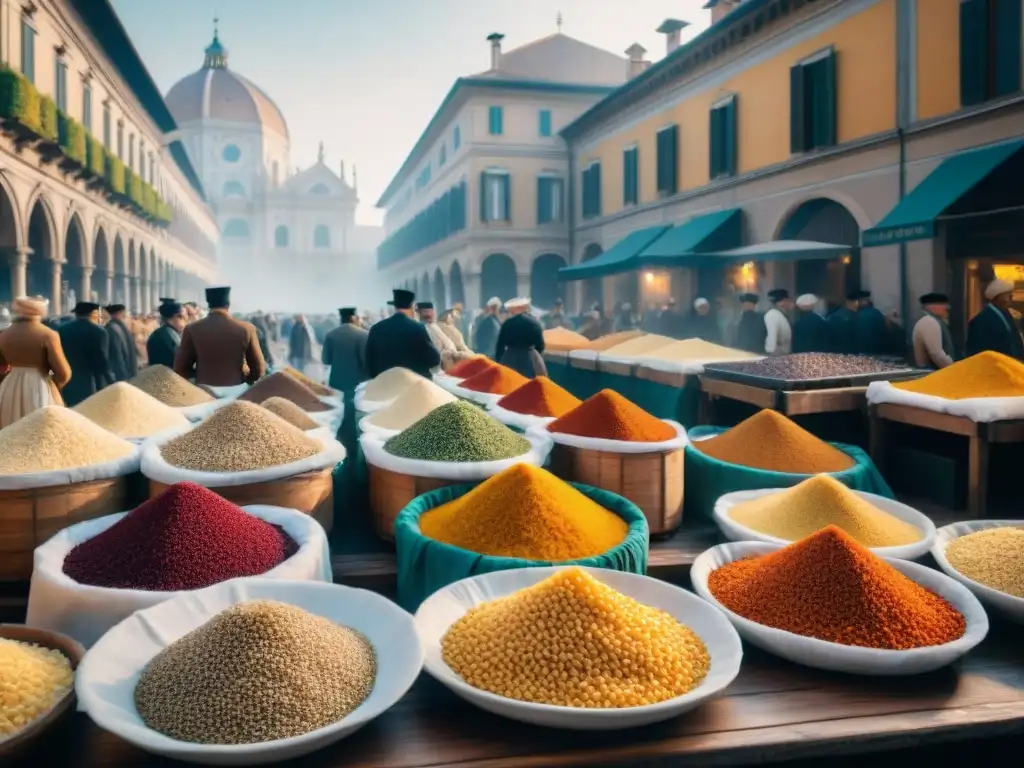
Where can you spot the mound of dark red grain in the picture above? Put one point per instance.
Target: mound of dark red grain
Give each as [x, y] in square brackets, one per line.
[188, 537]
[282, 385]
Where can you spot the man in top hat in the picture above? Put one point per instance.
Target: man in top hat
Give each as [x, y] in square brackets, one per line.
[219, 350]
[933, 342]
[521, 340]
[751, 331]
[401, 342]
[870, 327]
[778, 331]
[810, 331]
[842, 326]
[163, 343]
[485, 335]
[994, 328]
[124, 361]
[87, 348]
[344, 352]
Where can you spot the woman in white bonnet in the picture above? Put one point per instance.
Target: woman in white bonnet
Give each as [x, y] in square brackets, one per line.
[36, 358]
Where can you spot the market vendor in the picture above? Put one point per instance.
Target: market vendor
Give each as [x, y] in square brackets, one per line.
[810, 331]
[778, 331]
[219, 350]
[751, 331]
[521, 340]
[933, 342]
[994, 328]
[400, 342]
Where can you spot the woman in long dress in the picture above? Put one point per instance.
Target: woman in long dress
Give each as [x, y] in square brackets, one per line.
[38, 368]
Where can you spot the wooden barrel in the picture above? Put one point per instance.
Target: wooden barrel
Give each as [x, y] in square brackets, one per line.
[652, 481]
[391, 492]
[310, 492]
[31, 516]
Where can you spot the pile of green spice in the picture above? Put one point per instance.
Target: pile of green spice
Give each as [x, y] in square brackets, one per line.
[457, 432]
[258, 671]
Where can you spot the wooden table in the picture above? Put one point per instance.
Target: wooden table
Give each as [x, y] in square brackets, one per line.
[774, 711]
[980, 437]
[791, 403]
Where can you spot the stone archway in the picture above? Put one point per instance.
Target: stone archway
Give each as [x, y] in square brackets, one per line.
[545, 287]
[120, 272]
[457, 289]
[39, 280]
[593, 290]
[77, 270]
[103, 268]
[10, 240]
[498, 277]
[824, 220]
[439, 292]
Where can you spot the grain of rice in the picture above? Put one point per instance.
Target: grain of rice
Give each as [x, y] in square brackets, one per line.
[169, 388]
[55, 438]
[127, 411]
[290, 412]
[411, 406]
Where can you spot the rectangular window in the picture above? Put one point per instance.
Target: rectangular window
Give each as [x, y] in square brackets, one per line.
[668, 161]
[131, 151]
[545, 122]
[494, 196]
[990, 49]
[142, 160]
[120, 140]
[723, 139]
[28, 50]
[550, 200]
[87, 107]
[152, 169]
[456, 138]
[812, 103]
[630, 176]
[495, 121]
[591, 184]
[60, 83]
[106, 126]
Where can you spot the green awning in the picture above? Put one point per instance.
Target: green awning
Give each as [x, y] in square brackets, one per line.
[709, 231]
[776, 250]
[618, 258]
[914, 216]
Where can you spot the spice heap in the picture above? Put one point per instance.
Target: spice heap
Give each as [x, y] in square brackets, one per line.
[282, 385]
[695, 349]
[411, 406]
[830, 587]
[55, 437]
[127, 411]
[255, 672]
[496, 380]
[585, 644]
[637, 346]
[389, 385]
[169, 388]
[471, 367]
[987, 374]
[318, 389]
[768, 440]
[609, 416]
[817, 503]
[33, 680]
[457, 432]
[237, 438]
[563, 340]
[526, 512]
[290, 412]
[611, 340]
[185, 538]
[993, 557]
[540, 397]
[809, 365]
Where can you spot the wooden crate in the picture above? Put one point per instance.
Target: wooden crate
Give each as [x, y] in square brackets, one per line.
[391, 492]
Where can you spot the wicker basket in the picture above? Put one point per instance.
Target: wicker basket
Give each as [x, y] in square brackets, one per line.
[31, 516]
[669, 379]
[652, 481]
[310, 492]
[391, 492]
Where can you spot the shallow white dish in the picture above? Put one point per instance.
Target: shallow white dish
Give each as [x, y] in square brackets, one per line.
[822, 654]
[448, 605]
[1012, 607]
[107, 677]
[737, 532]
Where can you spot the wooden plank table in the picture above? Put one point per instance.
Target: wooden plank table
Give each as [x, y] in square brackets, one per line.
[790, 403]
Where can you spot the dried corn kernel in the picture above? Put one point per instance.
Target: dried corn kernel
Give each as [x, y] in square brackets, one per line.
[32, 680]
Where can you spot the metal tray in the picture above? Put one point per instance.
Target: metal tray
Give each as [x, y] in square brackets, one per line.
[721, 373]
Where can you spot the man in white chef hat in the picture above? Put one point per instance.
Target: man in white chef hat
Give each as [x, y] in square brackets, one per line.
[810, 330]
[521, 340]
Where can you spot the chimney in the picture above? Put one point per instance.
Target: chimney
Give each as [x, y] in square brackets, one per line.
[671, 28]
[719, 8]
[495, 38]
[636, 59]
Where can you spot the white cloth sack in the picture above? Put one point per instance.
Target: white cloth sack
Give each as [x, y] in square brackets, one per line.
[446, 382]
[683, 366]
[105, 471]
[523, 421]
[369, 406]
[470, 471]
[978, 409]
[367, 427]
[483, 398]
[584, 354]
[330, 420]
[58, 603]
[201, 411]
[155, 468]
[229, 393]
[681, 440]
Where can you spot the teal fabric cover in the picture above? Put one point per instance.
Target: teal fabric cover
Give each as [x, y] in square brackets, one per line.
[425, 565]
[624, 385]
[708, 478]
[582, 382]
[558, 373]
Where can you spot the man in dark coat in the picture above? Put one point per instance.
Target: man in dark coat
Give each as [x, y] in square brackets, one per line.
[842, 327]
[124, 359]
[400, 341]
[751, 332]
[672, 324]
[344, 351]
[219, 350]
[701, 323]
[485, 336]
[872, 331]
[87, 348]
[994, 328]
[162, 344]
[521, 340]
[810, 331]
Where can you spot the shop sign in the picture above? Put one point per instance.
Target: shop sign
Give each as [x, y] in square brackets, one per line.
[892, 235]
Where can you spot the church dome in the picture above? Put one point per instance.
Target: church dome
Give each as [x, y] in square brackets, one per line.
[217, 93]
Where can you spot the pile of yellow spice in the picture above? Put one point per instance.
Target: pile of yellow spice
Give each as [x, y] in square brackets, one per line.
[986, 374]
[33, 680]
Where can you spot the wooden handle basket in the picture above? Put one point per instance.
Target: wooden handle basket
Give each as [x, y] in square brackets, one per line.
[391, 492]
[30, 516]
[310, 492]
[669, 379]
[652, 481]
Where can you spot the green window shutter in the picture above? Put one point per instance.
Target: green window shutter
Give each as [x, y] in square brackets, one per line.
[673, 160]
[506, 183]
[595, 181]
[662, 151]
[483, 196]
[797, 110]
[973, 52]
[824, 101]
[585, 193]
[629, 177]
[543, 200]
[1008, 46]
[730, 138]
[545, 122]
[716, 135]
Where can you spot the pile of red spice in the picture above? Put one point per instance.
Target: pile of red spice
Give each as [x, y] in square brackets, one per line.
[830, 587]
[540, 397]
[464, 369]
[496, 379]
[282, 385]
[188, 537]
[609, 416]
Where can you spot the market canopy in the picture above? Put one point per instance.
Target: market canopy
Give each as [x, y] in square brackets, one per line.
[618, 258]
[915, 215]
[709, 231]
[776, 250]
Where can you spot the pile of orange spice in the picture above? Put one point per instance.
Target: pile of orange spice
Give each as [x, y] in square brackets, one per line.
[829, 587]
[609, 416]
[540, 397]
[496, 379]
[471, 367]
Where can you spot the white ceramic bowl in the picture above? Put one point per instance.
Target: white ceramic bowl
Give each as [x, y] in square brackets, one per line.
[448, 605]
[1012, 607]
[737, 532]
[108, 675]
[822, 654]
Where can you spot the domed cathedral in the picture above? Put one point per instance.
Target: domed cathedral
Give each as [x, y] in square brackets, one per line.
[289, 240]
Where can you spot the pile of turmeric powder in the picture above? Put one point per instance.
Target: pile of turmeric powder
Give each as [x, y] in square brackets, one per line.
[986, 374]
